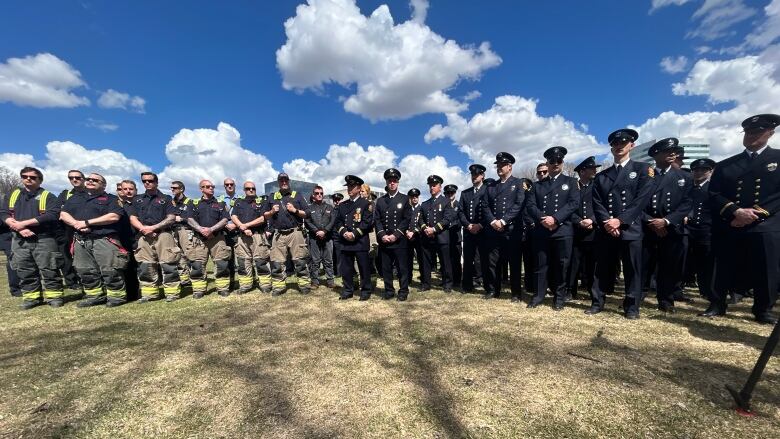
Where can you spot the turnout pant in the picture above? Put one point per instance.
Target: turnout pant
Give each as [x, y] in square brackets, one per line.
[183, 236]
[253, 262]
[431, 250]
[472, 269]
[503, 247]
[156, 254]
[347, 259]
[552, 261]
[37, 261]
[747, 260]
[100, 263]
[198, 253]
[395, 257]
[609, 251]
[321, 255]
[290, 243]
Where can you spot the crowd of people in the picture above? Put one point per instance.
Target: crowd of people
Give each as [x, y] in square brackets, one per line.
[658, 227]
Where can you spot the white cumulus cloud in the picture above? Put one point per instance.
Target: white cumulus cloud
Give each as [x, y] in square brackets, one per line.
[674, 65]
[396, 70]
[370, 163]
[205, 153]
[115, 99]
[101, 125]
[513, 125]
[41, 81]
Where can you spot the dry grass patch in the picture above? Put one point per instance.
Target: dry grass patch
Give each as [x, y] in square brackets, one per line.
[436, 366]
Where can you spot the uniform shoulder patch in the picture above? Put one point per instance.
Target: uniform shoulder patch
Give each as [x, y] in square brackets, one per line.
[525, 186]
[651, 172]
[370, 207]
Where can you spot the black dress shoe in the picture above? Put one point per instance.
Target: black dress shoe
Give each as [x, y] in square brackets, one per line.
[401, 298]
[515, 299]
[632, 316]
[533, 304]
[667, 308]
[345, 296]
[448, 290]
[364, 297]
[467, 291]
[766, 319]
[558, 307]
[712, 311]
[423, 289]
[593, 310]
[487, 296]
[388, 296]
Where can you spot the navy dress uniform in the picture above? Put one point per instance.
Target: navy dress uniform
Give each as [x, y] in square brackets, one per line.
[527, 253]
[470, 215]
[99, 257]
[700, 257]
[336, 199]
[504, 202]
[556, 197]
[414, 240]
[436, 213]
[664, 251]
[456, 237]
[748, 185]
[392, 216]
[354, 219]
[620, 192]
[37, 259]
[583, 260]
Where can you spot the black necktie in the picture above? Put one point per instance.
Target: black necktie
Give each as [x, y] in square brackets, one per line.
[753, 155]
[662, 172]
[618, 167]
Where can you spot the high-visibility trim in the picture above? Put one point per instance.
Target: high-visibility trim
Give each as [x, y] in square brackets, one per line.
[184, 277]
[246, 281]
[118, 294]
[69, 194]
[150, 291]
[264, 280]
[53, 294]
[94, 292]
[12, 199]
[31, 295]
[171, 291]
[278, 283]
[222, 281]
[42, 201]
[199, 286]
[278, 195]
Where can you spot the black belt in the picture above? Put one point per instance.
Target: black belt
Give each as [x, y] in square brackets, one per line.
[288, 231]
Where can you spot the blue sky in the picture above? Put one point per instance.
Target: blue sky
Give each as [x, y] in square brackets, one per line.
[596, 64]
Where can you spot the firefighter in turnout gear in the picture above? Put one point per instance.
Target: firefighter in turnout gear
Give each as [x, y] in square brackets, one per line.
[32, 213]
[207, 218]
[253, 249]
[98, 255]
[152, 214]
[181, 230]
[285, 211]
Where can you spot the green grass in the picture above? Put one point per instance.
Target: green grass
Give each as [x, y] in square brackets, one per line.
[436, 366]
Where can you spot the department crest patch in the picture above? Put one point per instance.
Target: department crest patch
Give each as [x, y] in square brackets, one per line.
[771, 167]
[681, 182]
[399, 205]
[565, 187]
[632, 175]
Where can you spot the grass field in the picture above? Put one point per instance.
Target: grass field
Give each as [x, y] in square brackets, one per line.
[435, 366]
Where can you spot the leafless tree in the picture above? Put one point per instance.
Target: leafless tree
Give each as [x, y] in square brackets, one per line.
[8, 181]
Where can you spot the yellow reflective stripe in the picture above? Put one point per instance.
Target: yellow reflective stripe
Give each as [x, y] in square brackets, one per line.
[31, 295]
[198, 286]
[69, 194]
[42, 201]
[119, 294]
[277, 195]
[14, 196]
[149, 290]
[52, 294]
[93, 291]
[171, 290]
[292, 194]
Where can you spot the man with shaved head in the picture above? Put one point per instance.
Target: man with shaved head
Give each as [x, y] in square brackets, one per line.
[208, 218]
[253, 248]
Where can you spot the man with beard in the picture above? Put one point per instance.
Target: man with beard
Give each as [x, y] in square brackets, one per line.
[665, 234]
[98, 255]
[470, 216]
[550, 205]
[583, 262]
[391, 219]
[320, 225]
[745, 203]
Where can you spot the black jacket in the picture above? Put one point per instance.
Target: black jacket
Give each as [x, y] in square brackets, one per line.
[439, 214]
[624, 196]
[558, 198]
[392, 216]
[670, 200]
[356, 217]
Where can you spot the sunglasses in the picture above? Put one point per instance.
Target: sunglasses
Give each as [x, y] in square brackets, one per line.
[230, 184]
[75, 177]
[30, 177]
[147, 181]
[318, 193]
[541, 172]
[249, 189]
[175, 188]
[207, 186]
[94, 180]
